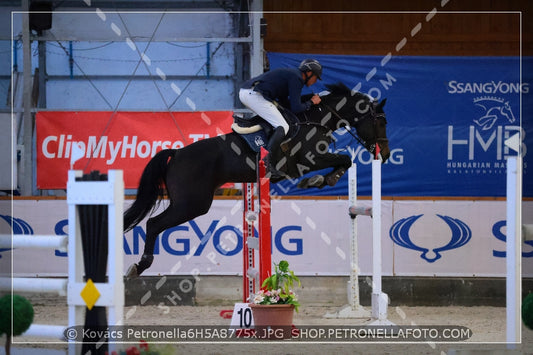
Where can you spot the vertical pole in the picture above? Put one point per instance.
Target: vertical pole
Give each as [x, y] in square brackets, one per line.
[248, 259]
[354, 271]
[75, 261]
[26, 180]
[380, 300]
[41, 103]
[513, 250]
[256, 61]
[376, 226]
[265, 233]
[115, 256]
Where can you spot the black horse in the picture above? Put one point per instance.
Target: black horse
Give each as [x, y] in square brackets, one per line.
[191, 175]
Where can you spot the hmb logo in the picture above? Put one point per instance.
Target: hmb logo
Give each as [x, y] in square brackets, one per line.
[480, 148]
[493, 109]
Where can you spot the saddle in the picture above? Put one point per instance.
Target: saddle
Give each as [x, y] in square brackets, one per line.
[256, 131]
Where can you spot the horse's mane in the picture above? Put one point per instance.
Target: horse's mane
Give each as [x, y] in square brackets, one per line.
[339, 89]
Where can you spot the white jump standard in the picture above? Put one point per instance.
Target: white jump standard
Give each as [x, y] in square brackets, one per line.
[380, 300]
[354, 308]
[111, 293]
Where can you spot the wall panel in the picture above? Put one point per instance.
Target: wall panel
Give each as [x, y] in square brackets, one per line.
[491, 28]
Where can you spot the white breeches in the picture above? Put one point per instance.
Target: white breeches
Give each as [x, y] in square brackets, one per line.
[264, 108]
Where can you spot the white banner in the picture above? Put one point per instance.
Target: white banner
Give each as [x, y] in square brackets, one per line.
[419, 238]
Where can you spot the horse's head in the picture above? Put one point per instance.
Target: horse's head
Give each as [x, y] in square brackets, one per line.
[358, 110]
[507, 112]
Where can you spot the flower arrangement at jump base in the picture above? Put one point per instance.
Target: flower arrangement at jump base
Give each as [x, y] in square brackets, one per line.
[274, 305]
[276, 289]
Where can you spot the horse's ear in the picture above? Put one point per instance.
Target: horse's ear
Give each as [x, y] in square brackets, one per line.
[382, 103]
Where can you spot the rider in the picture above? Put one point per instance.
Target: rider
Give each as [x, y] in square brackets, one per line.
[280, 85]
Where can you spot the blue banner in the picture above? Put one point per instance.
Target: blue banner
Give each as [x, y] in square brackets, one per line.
[448, 119]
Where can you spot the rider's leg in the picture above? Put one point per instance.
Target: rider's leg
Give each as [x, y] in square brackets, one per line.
[270, 113]
[263, 107]
[274, 149]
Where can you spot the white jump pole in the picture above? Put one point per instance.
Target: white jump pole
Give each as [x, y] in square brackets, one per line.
[34, 285]
[380, 300]
[59, 242]
[513, 251]
[46, 331]
[354, 308]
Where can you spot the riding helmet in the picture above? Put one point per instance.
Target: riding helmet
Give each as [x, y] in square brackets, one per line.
[311, 65]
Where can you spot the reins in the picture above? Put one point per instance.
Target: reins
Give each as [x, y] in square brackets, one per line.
[371, 112]
[373, 116]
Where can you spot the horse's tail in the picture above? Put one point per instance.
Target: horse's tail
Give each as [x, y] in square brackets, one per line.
[151, 189]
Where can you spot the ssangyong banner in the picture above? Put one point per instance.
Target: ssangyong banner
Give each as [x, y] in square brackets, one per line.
[120, 140]
[419, 238]
[448, 119]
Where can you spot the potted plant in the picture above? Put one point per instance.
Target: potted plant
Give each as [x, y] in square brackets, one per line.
[273, 306]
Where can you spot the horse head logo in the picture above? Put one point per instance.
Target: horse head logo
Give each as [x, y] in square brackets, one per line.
[494, 108]
[259, 141]
[18, 226]
[461, 234]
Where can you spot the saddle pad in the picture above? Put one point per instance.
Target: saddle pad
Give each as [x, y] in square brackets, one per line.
[256, 140]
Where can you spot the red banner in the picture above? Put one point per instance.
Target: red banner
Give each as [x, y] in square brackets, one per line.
[121, 140]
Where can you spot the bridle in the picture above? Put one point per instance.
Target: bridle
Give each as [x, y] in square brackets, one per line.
[370, 114]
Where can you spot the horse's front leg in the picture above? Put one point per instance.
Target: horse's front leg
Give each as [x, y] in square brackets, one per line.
[333, 178]
[339, 162]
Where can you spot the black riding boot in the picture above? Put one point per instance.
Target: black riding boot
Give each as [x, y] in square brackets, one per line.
[274, 149]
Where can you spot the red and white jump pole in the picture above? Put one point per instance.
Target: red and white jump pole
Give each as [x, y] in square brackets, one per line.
[265, 231]
[256, 268]
[248, 254]
[254, 275]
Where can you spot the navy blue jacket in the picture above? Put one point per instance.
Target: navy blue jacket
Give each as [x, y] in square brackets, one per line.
[282, 85]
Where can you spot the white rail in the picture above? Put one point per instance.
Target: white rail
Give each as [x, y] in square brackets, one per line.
[59, 242]
[34, 285]
[46, 331]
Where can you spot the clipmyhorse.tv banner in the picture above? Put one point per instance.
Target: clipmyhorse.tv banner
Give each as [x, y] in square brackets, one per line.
[123, 140]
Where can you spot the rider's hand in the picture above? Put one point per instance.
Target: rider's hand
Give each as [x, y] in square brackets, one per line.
[316, 99]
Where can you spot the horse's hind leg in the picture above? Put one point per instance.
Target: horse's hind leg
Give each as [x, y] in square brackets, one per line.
[175, 214]
[154, 226]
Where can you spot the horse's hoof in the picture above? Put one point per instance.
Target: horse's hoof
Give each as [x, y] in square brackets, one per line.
[132, 272]
[316, 181]
[313, 181]
[146, 261]
[333, 179]
[303, 184]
